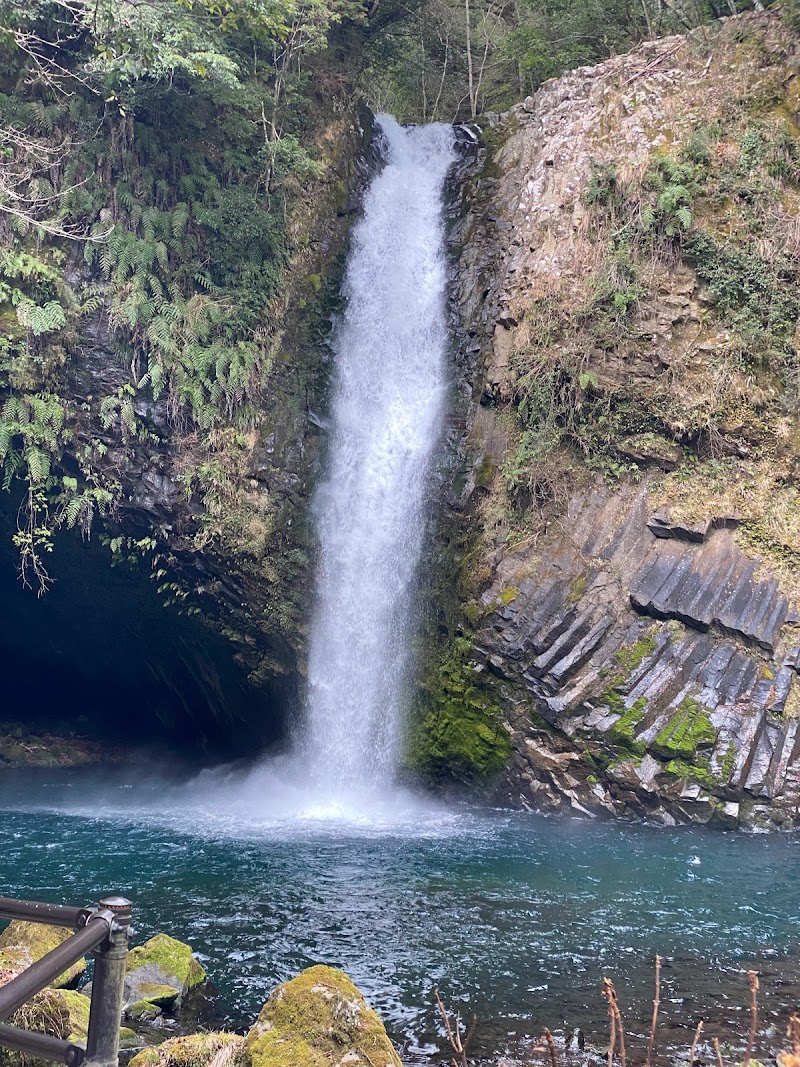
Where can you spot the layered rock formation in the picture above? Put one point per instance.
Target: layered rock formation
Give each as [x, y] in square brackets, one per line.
[662, 687]
[631, 452]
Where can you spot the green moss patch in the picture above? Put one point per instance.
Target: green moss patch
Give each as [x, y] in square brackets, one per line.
[143, 1011]
[458, 732]
[156, 993]
[627, 659]
[630, 656]
[699, 771]
[688, 730]
[728, 762]
[319, 1019]
[22, 944]
[193, 1050]
[172, 957]
[624, 729]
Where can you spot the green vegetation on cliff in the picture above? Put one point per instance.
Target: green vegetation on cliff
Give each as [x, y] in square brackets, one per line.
[458, 732]
[155, 164]
[714, 203]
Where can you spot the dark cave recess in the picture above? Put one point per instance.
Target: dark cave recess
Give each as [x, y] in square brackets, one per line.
[102, 655]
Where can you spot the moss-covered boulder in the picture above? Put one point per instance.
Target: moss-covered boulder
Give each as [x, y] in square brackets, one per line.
[194, 1050]
[128, 1038]
[22, 944]
[143, 1011]
[319, 1019]
[61, 1013]
[159, 975]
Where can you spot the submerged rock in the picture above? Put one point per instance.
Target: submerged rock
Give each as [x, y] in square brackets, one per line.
[22, 944]
[319, 1019]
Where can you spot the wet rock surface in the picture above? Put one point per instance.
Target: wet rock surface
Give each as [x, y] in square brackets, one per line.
[22, 944]
[319, 1019]
[159, 974]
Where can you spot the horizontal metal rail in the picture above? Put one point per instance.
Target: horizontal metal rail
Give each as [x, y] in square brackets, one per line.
[104, 930]
[40, 974]
[51, 1048]
[52, 914]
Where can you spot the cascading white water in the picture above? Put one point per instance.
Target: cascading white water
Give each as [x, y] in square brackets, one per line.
[390, 351]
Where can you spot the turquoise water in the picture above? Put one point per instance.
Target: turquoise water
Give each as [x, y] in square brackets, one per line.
[516, 917]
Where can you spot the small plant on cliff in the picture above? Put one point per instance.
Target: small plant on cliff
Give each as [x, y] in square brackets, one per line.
[755, 295]
[669, 212]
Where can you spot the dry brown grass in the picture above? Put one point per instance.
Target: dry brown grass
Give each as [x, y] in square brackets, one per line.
[759, 492]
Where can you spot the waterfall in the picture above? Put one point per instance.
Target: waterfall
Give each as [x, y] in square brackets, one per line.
[388, 401]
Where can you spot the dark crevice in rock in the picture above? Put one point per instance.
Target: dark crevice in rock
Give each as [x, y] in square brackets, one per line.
[100, 654]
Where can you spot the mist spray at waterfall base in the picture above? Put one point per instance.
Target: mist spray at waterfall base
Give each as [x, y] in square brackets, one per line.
[390, 384]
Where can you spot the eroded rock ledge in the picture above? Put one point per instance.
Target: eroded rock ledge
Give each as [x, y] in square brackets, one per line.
[645, 674]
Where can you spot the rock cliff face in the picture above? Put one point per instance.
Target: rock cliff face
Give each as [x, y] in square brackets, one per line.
[218, 520]
[630, 458]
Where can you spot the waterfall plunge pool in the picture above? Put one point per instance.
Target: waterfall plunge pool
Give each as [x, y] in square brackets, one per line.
[513, 916]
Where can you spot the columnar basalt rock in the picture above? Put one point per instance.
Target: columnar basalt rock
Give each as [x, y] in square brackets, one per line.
[642, 653]
[668, 703]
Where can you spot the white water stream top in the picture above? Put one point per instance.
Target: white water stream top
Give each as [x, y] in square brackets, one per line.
[389, 396]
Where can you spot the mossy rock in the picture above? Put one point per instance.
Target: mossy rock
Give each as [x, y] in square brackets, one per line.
[458, 730]
[129, 1038]
[61, 1013]
[194, 1050]
[77, 1006]
[154, 993]
[319, 1019]
[22, 944]
[687, 731]
[143, 1011]
[161, 972]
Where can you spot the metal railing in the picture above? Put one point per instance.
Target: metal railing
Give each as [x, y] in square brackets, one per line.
[103, 930]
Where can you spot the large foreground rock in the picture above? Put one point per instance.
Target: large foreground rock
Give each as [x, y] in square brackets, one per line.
[61, 1013]
[319, 1019]
[22, 944]
[159, 975]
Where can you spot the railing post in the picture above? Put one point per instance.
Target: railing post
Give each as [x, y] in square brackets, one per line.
[102, 1043]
